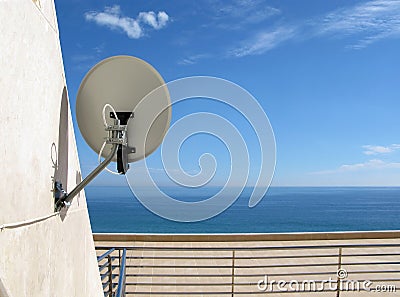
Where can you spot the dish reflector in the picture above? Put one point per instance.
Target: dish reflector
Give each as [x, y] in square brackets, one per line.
[122, 82]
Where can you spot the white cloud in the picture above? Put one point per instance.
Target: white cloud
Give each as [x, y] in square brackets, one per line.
[112, 18]
[263, 42]
[156, 21]
[378, 149]
[370, 21]
[374, 164]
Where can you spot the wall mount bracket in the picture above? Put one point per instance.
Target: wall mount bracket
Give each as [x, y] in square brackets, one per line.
[117, 136]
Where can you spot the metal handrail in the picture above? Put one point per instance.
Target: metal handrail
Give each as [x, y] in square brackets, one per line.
[99, 258]
[110, 287]
[122, 276]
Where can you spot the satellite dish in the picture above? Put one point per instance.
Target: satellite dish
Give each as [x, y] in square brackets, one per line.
[133, 126]
[122, 82]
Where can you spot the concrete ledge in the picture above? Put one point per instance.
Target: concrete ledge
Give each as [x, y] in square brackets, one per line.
[389, 234]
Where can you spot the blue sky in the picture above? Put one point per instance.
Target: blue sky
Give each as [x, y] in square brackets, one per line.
[325, 72]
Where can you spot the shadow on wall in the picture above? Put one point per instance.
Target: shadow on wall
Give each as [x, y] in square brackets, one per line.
[3, 290]
[59, 153]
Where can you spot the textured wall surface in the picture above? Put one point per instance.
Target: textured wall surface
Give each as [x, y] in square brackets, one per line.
[53, 256]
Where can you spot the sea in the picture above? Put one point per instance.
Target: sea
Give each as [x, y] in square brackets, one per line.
[283, 209]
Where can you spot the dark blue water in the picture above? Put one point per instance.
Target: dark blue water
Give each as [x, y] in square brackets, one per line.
[287, 209]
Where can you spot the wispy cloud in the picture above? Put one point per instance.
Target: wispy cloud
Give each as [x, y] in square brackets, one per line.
[369, 21]
[83, 62]
[263, 42]
[239, 13]
[373, 164]
[378, 149]
[112, 17]
[193, 59]
[82, 58]
[366, 23]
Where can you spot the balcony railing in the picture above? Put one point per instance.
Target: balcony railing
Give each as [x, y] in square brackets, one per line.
[186, 270]
[112, 268]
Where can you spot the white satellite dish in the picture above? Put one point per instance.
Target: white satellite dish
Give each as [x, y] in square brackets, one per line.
[132, 128]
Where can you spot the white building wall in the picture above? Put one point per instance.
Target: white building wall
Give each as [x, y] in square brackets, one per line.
[54, 255]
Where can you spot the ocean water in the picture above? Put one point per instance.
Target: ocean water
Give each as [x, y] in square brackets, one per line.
[283, 209]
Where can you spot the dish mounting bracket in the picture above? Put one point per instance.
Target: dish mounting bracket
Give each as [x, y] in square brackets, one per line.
[117, 137]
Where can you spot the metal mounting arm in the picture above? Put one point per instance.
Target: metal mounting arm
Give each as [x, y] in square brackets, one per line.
[118, 138]
[63, 199]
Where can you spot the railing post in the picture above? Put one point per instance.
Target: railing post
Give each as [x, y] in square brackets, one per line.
[233, 273]
[122, 276]
[110, 279]
[338, 270]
